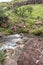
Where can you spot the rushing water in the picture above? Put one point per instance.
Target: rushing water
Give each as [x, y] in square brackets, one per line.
[10, 42]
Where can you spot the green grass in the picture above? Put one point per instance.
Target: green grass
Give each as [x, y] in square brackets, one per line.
[15, 18]
[38, 31]
[37, 11]
[2, 57]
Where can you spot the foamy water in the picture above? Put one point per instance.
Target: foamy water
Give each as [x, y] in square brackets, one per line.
[10, 42]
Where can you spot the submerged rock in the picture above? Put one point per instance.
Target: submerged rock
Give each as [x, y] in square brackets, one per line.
[32, 53]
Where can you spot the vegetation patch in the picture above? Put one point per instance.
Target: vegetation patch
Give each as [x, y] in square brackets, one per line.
[2, 57]
[26, 15]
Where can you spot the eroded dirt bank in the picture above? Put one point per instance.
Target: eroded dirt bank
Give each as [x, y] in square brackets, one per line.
[32, 53]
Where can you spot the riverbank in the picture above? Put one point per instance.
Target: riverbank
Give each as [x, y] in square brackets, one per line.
[12, 54]
[13, 46]
[25, 19]
[32, 53]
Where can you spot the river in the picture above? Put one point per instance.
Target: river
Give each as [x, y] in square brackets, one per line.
[9, 42]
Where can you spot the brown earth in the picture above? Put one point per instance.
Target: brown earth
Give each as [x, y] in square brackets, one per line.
[32, 53]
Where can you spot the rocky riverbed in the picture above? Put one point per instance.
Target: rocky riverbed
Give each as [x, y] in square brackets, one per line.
[12, 46]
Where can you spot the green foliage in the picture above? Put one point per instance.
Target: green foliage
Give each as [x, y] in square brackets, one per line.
[1, 29]
[1, 12]
[24, 14]
[38, 31]
[23, 11]
[30, 9]
[23, 31]
[23, 20]
[2, 57]
[1, 15]
[8, 31]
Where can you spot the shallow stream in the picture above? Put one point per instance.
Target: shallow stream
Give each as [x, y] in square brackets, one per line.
[9, 42]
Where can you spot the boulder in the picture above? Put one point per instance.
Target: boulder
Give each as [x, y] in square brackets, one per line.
[25, 39]
[21, 46]
[20, 41]
[32, 53]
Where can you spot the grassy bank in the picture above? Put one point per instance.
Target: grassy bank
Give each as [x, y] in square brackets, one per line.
[26, 15]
